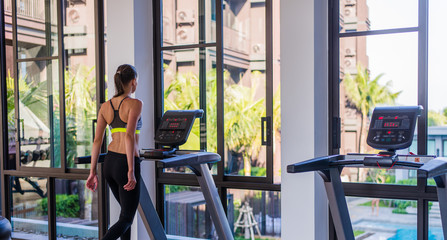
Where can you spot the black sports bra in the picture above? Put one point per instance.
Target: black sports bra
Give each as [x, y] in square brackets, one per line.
[118, 125]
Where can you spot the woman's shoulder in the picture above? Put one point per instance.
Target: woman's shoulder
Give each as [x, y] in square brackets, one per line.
[136, 101]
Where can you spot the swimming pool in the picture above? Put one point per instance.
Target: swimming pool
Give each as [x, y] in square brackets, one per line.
[402, 231]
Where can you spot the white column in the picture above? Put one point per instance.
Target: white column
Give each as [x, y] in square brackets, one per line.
[129, 40]
[304, 116]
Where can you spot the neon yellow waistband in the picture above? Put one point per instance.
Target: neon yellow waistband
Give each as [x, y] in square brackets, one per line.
[114, 130]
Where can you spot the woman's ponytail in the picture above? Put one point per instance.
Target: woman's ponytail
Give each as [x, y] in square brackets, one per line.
[124, 74]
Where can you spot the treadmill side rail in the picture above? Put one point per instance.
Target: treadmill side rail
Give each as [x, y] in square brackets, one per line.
[442, 199]
[149, 215]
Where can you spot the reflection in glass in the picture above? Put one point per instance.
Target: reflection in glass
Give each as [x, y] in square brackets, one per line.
[186, 73]
[434, 222]
[437, 106]
[244, 87]
[29, 209]
[186, 213]
[11, 101]
[377, 15]
[374, 71]
[80, 79]
[37, 28]
[390, 219]
[39, 114]
[76, 210]
[276, 93]
[262, 207]
[188, 22]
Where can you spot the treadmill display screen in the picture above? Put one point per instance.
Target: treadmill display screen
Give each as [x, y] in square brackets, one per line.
[174, 125]
[391, 124]
[392, 128]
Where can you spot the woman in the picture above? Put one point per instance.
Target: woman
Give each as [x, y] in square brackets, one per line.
[121, 165]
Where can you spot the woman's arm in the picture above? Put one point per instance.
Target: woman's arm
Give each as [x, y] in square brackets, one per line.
[101, 125]
[132, 119]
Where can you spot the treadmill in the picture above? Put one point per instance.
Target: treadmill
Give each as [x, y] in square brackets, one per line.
[173, 132]
[391, 129]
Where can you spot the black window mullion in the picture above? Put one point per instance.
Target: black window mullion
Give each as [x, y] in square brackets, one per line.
[100, 59]
[61, 65]
[220, 89]
[269, 88]
[423, 75]
[334, 76]
[422, 219]
[51, 204]
[3, 109]
[16, 82]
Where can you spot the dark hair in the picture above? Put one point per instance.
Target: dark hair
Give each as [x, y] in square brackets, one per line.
[124, 74]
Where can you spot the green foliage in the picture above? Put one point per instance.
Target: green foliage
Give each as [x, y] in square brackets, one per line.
[242, 109]
[175, 188]
[358, 232]
[80, 105]
[437, 118]
[365, 93]
[66, 206]
[399, 211]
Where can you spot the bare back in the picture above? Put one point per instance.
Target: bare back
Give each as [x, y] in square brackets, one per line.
[118, 138]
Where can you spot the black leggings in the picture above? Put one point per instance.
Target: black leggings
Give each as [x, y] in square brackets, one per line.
[115, 172]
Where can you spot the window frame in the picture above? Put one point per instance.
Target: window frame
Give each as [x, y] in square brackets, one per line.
[50, 173]
[222, 181]
[421, 192]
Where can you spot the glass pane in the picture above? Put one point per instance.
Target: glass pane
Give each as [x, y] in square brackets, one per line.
[36, 28]
[39, 114]
[276, 93]
[11, 101]
[437, 107]
[188, 22]
[76, 210]
[377, 14]
[388, 64]
[391, 219]
[434, 222]
[244, 87]
[186, 213]
[29, 209]
[261, 207]
[185, 73]
[80, 79]
[444, 149]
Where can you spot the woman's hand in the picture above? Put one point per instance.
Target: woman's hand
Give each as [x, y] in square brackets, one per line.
[92, 182]
[132, 182]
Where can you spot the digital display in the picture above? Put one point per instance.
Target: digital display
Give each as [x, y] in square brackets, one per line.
[391, 124]
[173, 125]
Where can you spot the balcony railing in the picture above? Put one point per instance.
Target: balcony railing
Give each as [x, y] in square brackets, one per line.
[34, 9]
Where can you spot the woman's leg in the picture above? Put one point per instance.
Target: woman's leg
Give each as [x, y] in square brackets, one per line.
[128, 200]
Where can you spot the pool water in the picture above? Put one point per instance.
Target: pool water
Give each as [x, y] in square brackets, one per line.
[410, 234]
[403, 232]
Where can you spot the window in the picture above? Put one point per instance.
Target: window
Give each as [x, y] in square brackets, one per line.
[376, 48]
[222, 56]
[54, 75]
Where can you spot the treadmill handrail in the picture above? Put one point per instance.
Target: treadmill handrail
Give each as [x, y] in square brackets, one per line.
[430, 168]
[189, 159]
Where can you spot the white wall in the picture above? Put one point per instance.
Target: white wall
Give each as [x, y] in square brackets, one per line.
[129, 40]
[304, 116]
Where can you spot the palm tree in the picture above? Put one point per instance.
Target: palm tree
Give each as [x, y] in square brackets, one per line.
[364, 94]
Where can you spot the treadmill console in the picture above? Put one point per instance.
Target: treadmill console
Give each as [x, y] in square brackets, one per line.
[175, 127]
[392, 128]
